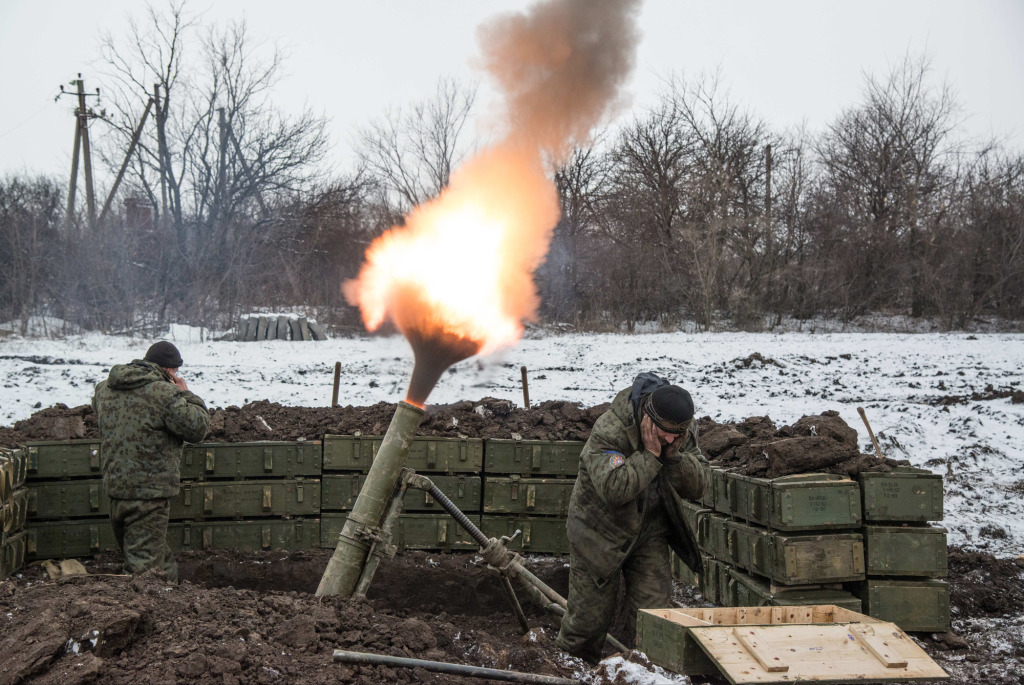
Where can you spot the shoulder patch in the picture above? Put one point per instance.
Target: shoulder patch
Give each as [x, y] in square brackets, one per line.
[615, 459]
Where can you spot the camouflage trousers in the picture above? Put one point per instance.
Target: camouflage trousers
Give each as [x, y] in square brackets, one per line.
[140, 528]
[648, 576]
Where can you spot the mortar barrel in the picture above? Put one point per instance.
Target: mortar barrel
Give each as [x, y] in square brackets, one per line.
[349, 558]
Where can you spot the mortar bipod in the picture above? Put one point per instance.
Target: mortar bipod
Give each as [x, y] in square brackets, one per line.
[507, 563]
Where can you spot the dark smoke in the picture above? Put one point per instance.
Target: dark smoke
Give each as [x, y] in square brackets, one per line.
[561, 66]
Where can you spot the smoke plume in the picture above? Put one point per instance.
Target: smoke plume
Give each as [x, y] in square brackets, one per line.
[561, 66]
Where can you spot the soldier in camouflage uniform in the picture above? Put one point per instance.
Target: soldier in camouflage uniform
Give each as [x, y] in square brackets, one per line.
[642, 456]
[145, 412]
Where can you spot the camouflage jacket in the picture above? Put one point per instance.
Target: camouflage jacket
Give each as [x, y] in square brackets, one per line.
[144, 419]
[619, 482]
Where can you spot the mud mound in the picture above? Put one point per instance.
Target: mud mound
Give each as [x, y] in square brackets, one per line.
[989, 393]
[58, 422]
[814, 444]
[118, 629]
[753, 447]
[982, 585]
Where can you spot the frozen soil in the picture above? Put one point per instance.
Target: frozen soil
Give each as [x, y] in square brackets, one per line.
[254, 618]
[753, 447]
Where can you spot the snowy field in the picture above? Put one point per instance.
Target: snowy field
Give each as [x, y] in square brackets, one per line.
[916, 388]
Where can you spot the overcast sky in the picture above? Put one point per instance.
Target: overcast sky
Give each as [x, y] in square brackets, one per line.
[789, 61]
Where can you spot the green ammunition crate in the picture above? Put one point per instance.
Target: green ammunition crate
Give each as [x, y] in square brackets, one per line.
[709, 579]
[240, 460]
[537, 534]
[426, 455]
[518, 495]
[63, 459]
[63, 539]
[682, 572]
[746, 590]
[340, 490]
[246, 499]
[12, 554]
[787, 558]
[713, 536]
[249, 536]
[695, 515]
[914, 605]
[7, 471]
[411, 531]
[533, 457]
[708, 500]
[904, 494]
[669, 646]
[13, 513]
[61, 499]
[13, 470]
[906, 551]
[812, 501]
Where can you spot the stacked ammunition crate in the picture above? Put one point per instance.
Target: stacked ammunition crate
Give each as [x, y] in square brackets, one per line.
[247, 496]
[68, 511]
[824, 539]
[14, 498]
[527, 485]
[905, 556]
[452, 464]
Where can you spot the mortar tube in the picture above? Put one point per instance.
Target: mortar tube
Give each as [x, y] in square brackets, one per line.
[349, 559]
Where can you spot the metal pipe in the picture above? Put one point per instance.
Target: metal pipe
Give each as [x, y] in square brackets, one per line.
[347, 657]
[346, 565]
[517, 609]
[497, 555]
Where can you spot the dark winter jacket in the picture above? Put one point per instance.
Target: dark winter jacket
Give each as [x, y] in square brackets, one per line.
[144, 419]
[619, 482]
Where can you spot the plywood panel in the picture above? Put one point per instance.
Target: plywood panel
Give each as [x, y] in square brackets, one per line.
[823, 653]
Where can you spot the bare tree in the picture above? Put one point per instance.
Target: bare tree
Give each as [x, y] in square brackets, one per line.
[220, 156]
[883, 161]
[412, 151]
[30, 217]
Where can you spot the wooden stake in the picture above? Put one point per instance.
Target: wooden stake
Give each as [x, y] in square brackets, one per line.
[864, 417]
[526, 389]
[337, 380]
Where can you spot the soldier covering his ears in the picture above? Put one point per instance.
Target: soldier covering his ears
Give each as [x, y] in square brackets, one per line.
[625, 512]
[145, 413]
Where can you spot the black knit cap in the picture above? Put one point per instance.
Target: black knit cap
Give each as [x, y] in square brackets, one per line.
[670, 407]
[164, 354]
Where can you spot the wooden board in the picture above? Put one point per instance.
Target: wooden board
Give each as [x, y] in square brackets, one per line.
[820, 643]
[829, 653]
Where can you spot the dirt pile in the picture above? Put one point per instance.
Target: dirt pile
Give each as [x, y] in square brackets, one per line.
[225, 624]
[814, 444]
[753, 447]
[244, 619]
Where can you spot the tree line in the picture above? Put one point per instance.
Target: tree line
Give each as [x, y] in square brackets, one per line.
[694, 210]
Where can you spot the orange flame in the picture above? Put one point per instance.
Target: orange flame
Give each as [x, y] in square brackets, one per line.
[462, 266]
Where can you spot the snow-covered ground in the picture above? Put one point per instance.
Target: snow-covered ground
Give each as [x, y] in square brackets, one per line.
[978, 445]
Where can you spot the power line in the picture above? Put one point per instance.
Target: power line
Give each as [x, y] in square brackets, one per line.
[30, 118]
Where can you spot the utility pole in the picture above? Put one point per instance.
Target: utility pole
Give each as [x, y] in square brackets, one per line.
[82, 116]
[127, 159]
[161, 146]
[768, 182]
